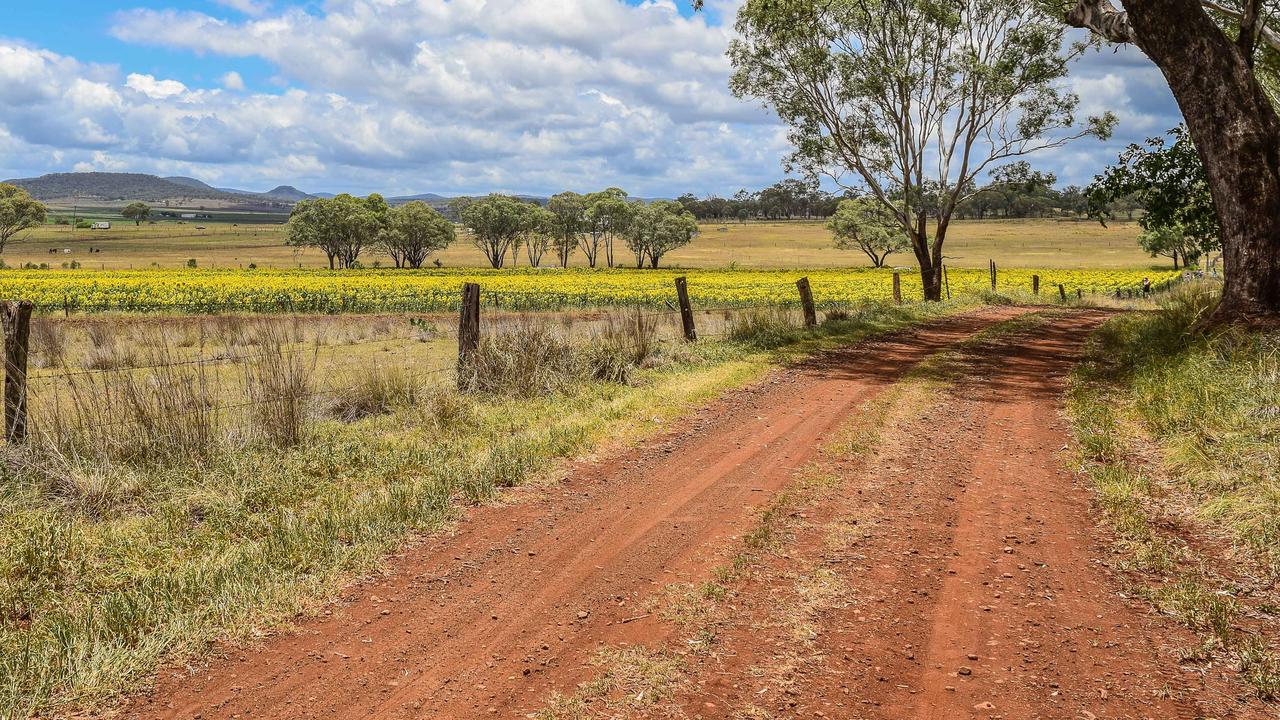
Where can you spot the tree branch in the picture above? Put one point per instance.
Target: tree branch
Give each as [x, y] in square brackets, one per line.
[1103, 19]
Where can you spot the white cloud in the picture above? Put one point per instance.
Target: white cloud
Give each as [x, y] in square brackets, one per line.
[153, 88]
[428, 95]
[233, 81]
[248, 7]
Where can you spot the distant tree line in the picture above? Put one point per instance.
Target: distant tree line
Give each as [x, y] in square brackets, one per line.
[1015, 192]
[604, 226]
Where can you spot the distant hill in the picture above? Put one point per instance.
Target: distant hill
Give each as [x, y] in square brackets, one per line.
[114, 186]
[287, 193]
[194, 183]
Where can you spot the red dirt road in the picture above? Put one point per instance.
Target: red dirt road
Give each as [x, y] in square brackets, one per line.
[979, 558]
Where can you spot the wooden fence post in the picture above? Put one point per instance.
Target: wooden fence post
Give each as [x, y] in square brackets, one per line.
[1035, 284]
[946, 280]
[686, 309]
[806, 300]
[993, 275]
[468, 324]
[897, 288]
[15, 315]
[1079, 294]
[1062, 291]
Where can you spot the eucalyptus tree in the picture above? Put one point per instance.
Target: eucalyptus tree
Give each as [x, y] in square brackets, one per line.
[657, 228]
[18, 211]
[1168, 181]
[1220, 58]
[497, 224]
[608, 213]
[340, 226]
[538, 231]
[909, 101]
[414, 231]
[137, 212]
[569, 210]
[866, 224]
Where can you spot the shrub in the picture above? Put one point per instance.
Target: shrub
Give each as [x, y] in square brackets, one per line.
[278, 386]
[525, 359]
[765, 328]
[376, 392]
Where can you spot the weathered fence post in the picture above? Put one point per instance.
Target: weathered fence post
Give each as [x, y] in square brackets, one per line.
[946, 280]
[1035, 284]
[806, 301]
[993, 275]
[1062, 291]
[897, 288]
[1079, 294]
[468, 326]
[15, 315]
[686, 309]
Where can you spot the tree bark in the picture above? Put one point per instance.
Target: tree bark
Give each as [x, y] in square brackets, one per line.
[1236, 132]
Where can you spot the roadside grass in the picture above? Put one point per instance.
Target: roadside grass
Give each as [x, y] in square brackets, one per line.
[1179, 432]
[112, 563]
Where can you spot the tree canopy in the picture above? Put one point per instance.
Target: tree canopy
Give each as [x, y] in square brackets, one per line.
[657, 228]
[1168, 180]
[866, 224]
[910, 100]
[341, 226]
[496, 223]
[18, 211]
[414, 231]
[137, 212]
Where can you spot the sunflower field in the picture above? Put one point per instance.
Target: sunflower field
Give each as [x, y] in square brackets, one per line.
[319, 291]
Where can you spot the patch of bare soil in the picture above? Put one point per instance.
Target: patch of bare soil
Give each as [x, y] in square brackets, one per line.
[956, 573]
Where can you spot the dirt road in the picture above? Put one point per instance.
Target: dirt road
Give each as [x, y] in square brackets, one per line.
[970, 590]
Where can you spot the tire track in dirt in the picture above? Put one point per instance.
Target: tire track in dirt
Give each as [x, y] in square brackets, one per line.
[512, 605]
[970, 576]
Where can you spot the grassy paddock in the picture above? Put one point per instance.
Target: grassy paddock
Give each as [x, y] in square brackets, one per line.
[1050, 244]
[158, 537]
[1200, 527]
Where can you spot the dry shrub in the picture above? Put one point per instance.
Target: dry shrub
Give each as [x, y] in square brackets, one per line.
[526, 358]
[164, 412]
[763, 328]
[623, 344]
[376, 391]
[278, 385]
[48, 342]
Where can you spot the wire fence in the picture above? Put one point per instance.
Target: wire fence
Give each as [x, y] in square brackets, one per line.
[420, 346]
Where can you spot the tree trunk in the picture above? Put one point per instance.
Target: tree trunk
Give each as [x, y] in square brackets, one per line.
[1237, 134]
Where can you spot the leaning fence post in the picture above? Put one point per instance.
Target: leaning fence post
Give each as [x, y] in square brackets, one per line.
[468, 325]
[686, 309]
[806, 301]
[1062, 291]
[16, 319]
[993, 276]
[1035, 284]
[897, 288]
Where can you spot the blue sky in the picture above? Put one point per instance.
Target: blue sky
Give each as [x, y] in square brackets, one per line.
[406, 96]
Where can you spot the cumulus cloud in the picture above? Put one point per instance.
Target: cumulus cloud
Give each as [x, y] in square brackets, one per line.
[233, 81]
[427, 95]
[248, 7]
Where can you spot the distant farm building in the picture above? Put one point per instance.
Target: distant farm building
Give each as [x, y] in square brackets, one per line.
[102, 225]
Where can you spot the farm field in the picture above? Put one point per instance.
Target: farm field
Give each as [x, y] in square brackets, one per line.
[285, 291]
[1013, 243]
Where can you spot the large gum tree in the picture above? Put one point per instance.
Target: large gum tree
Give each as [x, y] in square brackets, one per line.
[910, 101]
[1220, 59]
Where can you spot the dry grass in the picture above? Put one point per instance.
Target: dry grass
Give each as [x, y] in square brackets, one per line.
[1012, 243]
